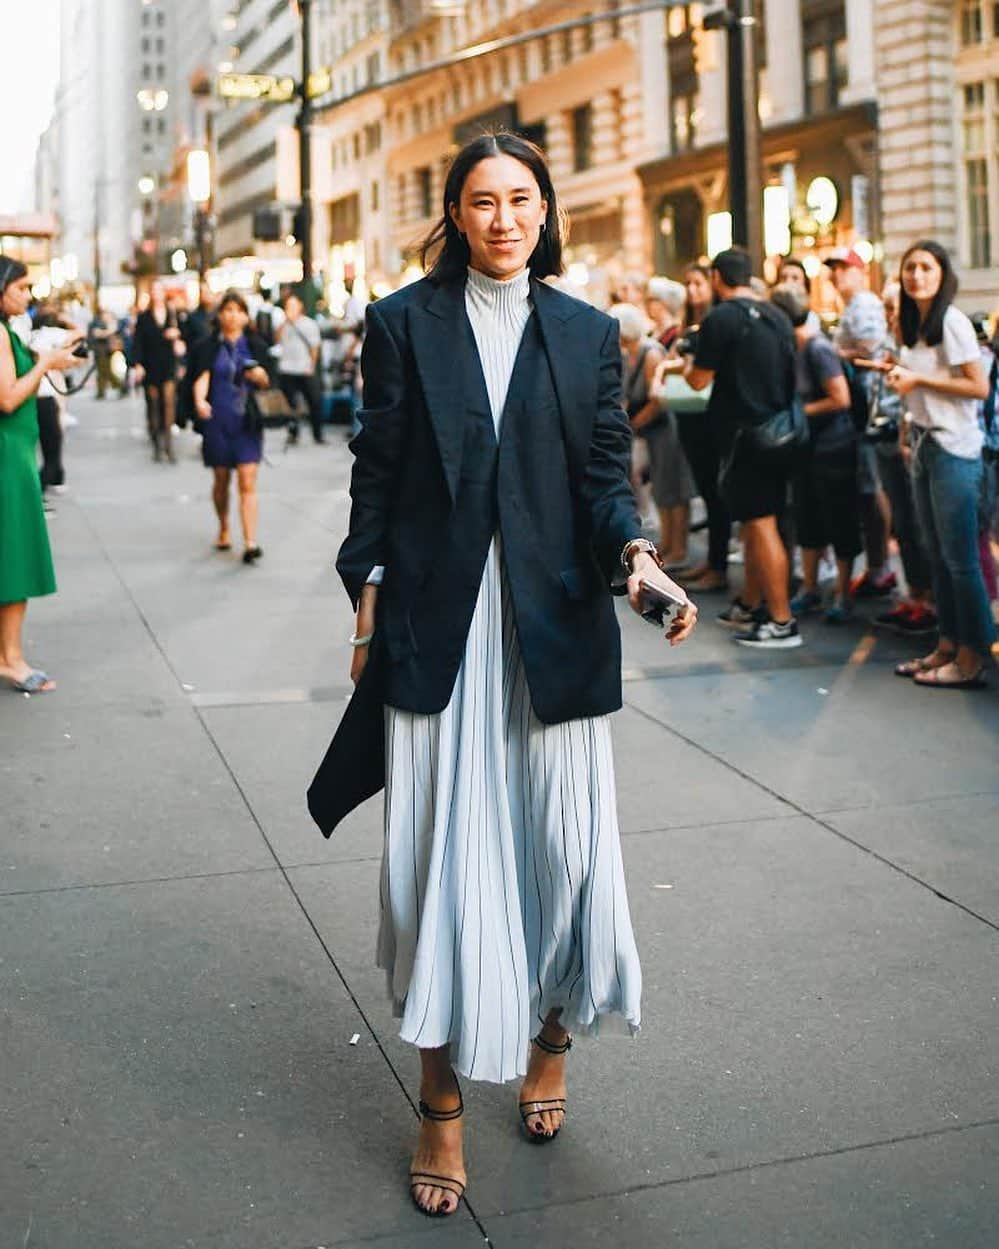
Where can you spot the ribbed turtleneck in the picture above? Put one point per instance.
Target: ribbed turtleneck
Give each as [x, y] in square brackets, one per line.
[498, 312]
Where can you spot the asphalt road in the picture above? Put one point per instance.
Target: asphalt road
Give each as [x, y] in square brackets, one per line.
[812, 848]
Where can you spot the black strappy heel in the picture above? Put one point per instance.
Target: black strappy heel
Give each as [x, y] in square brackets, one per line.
[419, 1179]
[529, 1109]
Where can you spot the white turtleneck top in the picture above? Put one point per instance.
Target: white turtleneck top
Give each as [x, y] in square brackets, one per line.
[498, 312]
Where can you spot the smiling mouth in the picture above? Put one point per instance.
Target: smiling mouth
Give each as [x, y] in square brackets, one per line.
[504, 242]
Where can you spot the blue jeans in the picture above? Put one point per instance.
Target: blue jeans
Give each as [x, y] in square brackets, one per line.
[947, 492]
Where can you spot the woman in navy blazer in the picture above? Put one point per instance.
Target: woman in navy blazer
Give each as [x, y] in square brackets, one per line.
[491, 518]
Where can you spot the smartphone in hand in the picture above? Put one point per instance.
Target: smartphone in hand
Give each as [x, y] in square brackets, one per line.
[659, 607]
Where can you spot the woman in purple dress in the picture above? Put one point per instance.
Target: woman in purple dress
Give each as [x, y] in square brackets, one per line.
[224, 367]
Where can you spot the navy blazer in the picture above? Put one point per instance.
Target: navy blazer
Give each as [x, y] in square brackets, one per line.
[564, 508]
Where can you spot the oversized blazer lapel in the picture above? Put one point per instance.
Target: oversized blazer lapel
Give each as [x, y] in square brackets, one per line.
[437, 333]
[572, 373]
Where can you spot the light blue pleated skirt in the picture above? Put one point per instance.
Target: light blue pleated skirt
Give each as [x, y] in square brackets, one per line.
[502, 885]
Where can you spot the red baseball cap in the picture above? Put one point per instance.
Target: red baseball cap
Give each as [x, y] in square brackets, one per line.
[845, 256]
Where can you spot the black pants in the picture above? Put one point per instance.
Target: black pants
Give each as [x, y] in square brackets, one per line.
[701, 449]
[897, 481]
[50, 440]
[306, 385]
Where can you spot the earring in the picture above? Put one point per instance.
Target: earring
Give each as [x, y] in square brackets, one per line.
[543, 224]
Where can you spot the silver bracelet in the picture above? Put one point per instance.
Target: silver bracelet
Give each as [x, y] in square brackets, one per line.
[362, 641]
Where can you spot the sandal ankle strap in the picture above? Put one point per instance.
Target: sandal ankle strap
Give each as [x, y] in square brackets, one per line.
[443, 1116]
[547, 1046]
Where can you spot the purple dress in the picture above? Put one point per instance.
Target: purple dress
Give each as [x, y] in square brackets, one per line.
[226, 440]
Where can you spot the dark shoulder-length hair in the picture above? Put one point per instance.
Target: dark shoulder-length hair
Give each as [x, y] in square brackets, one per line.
[10, 271]
[444, 253]
[930, 330]
[690, 316]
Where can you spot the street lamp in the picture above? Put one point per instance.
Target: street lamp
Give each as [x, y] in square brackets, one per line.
[146, 184]
[199, 188]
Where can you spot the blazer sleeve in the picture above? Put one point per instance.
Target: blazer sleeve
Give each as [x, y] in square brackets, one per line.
[607, 491]
[377, 451]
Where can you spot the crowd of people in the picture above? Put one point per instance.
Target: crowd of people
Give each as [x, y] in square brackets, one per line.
[822, 444]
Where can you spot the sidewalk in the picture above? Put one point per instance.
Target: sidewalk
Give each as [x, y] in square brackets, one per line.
[813, 866]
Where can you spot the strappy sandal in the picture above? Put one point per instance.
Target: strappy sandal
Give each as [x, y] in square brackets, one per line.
[529, 1109]
[426, 1179]
[913, 666]
[970, 681]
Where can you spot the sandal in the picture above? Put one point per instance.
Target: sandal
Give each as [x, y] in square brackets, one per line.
[36, 682]
[912, 666]
[931, 676]
[424, 1179]
[252, 554]
[529, 1109]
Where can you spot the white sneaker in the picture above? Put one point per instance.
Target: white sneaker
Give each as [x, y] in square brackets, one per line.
[769, 635]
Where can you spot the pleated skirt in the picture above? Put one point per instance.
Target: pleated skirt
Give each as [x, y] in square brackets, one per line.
[502, 886]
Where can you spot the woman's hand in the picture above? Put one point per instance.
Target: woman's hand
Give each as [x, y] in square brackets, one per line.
[138, 374]
[645, 568]
[902, 380]
[203, 409]
[364, 627]
[62, 358]
[258, 376]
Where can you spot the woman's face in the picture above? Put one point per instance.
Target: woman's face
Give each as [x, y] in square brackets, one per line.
[922, 275]
[698, 288]
[791, 275]
[232, 319]
[501, 214]
[658, 313]
[17, 296]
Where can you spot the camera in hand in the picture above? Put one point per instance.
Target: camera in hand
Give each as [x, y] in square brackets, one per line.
[687, 344]
[81, 351]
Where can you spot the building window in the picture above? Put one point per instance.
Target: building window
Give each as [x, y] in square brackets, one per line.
[145, 43]
[972, 22]
[425, 191]
[582, 137]
[824, 40]
[683, 122]
[975, 144]
[375, 196]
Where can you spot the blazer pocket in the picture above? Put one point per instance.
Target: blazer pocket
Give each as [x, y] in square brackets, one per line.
[577, 582]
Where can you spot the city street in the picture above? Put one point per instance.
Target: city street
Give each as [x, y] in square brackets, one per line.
[198, 1050]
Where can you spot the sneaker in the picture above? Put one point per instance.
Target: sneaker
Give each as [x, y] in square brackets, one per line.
[769, 635]
[736, 616]
[806, 602]
[839, 611]
[866, 586]
[919, 620]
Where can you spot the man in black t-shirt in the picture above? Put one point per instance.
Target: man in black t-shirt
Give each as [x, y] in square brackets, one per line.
[746, 349]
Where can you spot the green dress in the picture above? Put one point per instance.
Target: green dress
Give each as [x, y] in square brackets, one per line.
[25, 558]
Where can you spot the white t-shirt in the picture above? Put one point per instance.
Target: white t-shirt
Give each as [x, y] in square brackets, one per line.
[298, 340]
[953, 422]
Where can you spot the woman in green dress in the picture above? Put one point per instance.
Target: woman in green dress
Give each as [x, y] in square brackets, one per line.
[25, 559]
